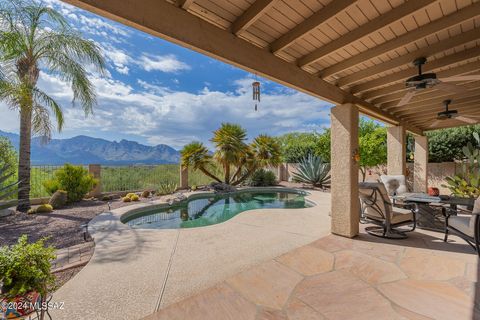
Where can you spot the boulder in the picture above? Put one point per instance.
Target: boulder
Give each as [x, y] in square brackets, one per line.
[6, 212]
[219, 187]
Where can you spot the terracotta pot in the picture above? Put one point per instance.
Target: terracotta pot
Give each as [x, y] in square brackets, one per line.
[20, 306]
[434, 192]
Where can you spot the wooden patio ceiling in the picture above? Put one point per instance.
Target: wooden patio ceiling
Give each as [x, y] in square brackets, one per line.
[339, 50]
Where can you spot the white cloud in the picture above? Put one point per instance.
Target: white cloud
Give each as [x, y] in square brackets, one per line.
[159, 115]
[164, 63]
[119, 58]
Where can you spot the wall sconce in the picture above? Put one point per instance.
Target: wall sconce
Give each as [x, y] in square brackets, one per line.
[356, 155]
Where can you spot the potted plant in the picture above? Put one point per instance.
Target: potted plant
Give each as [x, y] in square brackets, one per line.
[25, 277]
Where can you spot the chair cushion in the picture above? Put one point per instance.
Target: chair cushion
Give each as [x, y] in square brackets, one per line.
[401, 215]
[464, 224]
[394, 183]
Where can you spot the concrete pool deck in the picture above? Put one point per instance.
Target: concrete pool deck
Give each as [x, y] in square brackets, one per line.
[135, 272]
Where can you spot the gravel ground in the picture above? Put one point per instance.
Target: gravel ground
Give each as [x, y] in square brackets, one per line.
[63, 226]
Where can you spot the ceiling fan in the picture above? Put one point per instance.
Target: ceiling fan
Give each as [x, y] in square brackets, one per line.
[429, 80]
[453, 114]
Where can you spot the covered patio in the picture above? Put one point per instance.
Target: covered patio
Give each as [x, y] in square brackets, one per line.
[356, 55]
[335, 277]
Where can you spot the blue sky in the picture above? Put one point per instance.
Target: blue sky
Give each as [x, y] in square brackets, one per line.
[157, 92]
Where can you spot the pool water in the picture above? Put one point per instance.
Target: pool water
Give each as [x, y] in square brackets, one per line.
[213, 209]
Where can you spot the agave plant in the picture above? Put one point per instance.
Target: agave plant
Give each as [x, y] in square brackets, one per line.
[313, 170]
[10, 188]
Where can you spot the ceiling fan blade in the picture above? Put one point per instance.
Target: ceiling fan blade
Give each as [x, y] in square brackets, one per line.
[435, 123]
[466, 119]
[450, 87]
[406, 98]
[472, 77]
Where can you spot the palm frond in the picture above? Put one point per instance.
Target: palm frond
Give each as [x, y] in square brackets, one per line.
[41, 98]
[41, 125]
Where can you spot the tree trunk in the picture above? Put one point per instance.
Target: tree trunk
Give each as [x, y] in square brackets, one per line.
[227, 173]
[208, 174]
[24, 159]
[364, 173]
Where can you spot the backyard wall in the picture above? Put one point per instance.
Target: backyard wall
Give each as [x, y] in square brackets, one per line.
[436, 174]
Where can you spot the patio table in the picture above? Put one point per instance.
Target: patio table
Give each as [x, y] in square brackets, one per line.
[431, 210]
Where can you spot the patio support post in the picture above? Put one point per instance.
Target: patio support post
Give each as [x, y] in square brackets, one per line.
[396, 151]
[420, 166]
[183, 177]
[344, 183]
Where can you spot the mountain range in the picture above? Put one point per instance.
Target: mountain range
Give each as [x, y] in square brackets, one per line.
[89, 150]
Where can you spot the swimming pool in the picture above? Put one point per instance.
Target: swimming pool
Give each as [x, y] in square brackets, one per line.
[208, 209]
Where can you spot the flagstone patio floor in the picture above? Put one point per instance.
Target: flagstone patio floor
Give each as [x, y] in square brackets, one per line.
[338, 278]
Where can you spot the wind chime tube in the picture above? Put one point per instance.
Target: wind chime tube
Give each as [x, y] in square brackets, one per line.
[256, 93]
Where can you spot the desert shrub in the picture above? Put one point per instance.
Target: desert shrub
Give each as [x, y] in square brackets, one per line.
[262, 178]
[59, 199]
[75, 180]
[44, 208]
[51, 186]
[25, 267]
[167, 188]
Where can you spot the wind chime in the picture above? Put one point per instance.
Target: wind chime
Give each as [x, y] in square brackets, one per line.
[256, 93]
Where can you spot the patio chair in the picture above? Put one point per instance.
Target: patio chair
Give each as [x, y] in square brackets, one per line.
[377, 208]
[466, 225]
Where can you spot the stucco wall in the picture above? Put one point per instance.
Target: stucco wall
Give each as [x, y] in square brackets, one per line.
[436, 174]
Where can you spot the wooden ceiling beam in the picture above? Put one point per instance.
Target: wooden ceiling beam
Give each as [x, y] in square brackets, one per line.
[428, 51]
[252, 14]
[428, 67]
[436, 26]
[311, 23]
[381, 21]
[369, 95]
[184, 4]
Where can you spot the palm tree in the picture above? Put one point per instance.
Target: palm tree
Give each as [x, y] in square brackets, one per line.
[232, 152]
[34, 36]
[264, 151]
[229, 141]
[195, 155]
